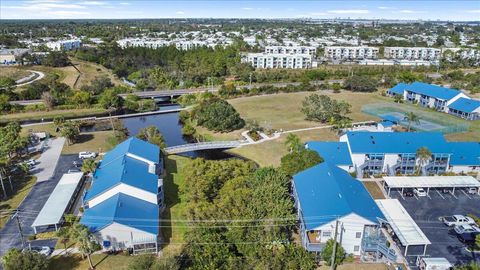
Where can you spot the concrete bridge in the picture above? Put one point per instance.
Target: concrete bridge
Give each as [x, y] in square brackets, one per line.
[202, 146]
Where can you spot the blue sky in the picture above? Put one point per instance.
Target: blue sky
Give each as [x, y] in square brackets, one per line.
[104, 9]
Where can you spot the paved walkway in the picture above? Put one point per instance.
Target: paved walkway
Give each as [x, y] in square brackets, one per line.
[39, 77]
[48, 160]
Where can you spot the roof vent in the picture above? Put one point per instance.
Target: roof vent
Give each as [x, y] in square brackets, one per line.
[339, 195]
[373, 142]
[329, 174]
[120, 204]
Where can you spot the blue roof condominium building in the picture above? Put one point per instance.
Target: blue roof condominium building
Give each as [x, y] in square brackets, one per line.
[327, 197]
[395, 153]
[126, 183]
[442, 99]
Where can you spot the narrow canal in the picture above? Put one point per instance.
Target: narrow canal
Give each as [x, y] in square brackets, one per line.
[171, 129]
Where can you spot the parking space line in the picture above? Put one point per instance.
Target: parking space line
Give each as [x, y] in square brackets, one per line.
[439, 194]
[401, 195]
[415, 196]
[453, 194]
[466, 194]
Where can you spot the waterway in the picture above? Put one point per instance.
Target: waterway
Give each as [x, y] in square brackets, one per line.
[171, 129]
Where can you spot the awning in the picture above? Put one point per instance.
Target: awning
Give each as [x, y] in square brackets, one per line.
[402, 223]
[431, 181]
[58, 201]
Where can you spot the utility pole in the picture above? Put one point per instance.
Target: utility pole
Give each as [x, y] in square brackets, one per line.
[3, 186]
[19, 228]
[334, 251]
[250, 80]
[110, 109]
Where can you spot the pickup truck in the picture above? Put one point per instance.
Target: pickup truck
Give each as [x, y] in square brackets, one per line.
[460, 229]
[457, 220]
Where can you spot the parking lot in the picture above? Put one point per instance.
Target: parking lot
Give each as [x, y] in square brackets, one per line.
[31, 205]
[427, 213]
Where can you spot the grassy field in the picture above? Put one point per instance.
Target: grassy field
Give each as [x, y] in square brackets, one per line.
[52, 114]
[283, 111]
[269, 153]
[100, 261]
[69, 75]
[13, 73]
[175, 210]
[87, 141]
[21, 189]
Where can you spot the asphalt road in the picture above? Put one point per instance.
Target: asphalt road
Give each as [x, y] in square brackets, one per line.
[29, 208]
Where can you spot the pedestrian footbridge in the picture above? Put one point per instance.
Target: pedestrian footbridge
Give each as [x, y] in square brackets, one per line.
[178, 149]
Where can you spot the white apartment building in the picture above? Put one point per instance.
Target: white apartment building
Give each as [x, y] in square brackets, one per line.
[464, 53]
[351, 53]
[264, 60]
[64, 45]
[291, 50]
[412, 53]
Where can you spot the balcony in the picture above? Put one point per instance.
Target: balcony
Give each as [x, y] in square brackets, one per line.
[312, 241]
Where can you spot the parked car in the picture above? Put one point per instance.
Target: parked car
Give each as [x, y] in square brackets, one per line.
[445, 190]
[420, 192]
[408, 192]
[459, 229]
[44, 250]
[78, 164]
[468, 238]
[31, 162]
[73, 170]
[87, 154]
[457, 220]
[472, 190]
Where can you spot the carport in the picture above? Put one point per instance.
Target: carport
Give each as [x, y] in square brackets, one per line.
[402, 224]
[428, 182]
[60, 201]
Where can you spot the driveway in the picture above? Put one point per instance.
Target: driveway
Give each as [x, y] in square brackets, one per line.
[33, 203]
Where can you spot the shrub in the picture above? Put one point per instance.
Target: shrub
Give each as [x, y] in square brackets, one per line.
[218, 115]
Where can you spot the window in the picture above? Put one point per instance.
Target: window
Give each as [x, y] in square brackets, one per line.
[356, 248]
[358, 235]
[327, 234]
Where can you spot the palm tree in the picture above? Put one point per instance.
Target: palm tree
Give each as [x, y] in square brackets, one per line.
[293, 142]
[85, 240]
[64, 236]
[89, 166]
[423, 156]
[411, 118]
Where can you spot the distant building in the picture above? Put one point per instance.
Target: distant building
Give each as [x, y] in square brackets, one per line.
[351, 53]
[10, 56]
[291, 50]
[127, 193]
[64, 45]
[266, 60]
[412, 53]
[442, 99]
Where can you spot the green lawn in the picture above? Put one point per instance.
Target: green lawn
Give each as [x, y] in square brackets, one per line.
[13, 73]
[23, 116]
[173, 232]
[100, 261]
[269, 153]
[21, 188]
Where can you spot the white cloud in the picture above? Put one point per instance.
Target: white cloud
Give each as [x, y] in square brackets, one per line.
[318, 13]
[409, 11]
[94, 3]
[384, 8]
[247, 8]
[124, 3]
[180, 12]
[55, 5]
[349, 11]
[67, 13]
[474, 11]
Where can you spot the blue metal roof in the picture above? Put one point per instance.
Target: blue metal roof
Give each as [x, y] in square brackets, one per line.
[326, 192]
[431, 90]
[465, 105]
[398, 89]
[125, 170]
[136, 147]
[465, 153]
[333, 152]
[387, 123]
[396, 142]
[125, 210]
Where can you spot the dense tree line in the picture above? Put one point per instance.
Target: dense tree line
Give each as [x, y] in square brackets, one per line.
[259, 201]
